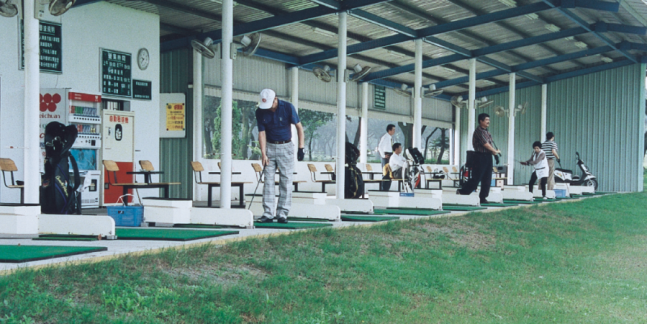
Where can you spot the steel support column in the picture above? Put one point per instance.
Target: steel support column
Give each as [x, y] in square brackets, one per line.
[511, 105]
[227, 77]
[31, 129]
[363, 133]
[471, 106]
[341, 105]
[417, 100]
[294, 99]
[197, 117]
[544, 100]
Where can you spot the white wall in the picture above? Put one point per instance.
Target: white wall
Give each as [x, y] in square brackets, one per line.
[85, 29]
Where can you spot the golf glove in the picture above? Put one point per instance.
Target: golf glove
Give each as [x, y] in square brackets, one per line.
[300, 154]
[496, 158]
[559, 161]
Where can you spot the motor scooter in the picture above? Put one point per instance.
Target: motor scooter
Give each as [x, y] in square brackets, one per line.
[566, 176]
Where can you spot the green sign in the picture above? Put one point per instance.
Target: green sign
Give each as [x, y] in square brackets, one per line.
[142, 89]
[51, 46]
[116, 78]
[380, 97]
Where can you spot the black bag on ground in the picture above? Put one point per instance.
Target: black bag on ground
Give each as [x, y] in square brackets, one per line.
[352, 154]
[58, 192]
[472, 159]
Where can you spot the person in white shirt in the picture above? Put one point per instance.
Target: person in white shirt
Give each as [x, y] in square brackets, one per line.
[397, 161]
[538, 160]
[385, 149]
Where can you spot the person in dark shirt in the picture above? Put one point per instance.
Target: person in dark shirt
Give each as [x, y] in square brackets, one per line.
[274, 118]
[482, 165]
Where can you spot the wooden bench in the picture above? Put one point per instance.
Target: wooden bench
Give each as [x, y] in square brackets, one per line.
[258, 171]
[111, 166]
[197, 174]
[7, 165]
[313, 175]
[427, 180]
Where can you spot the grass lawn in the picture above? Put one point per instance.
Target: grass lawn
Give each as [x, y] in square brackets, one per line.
[582, 262]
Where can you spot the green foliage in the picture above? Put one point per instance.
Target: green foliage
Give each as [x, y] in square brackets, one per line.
[577, 262]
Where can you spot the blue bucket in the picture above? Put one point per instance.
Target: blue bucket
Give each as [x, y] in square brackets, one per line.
[126, 215]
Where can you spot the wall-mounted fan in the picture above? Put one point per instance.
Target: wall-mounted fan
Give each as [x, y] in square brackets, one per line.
[360, 73]
[500, 111]
[484, 102]
[7, 9]
[403, 91]
[522, 108]
[59, 7]
[432, 92]
[248, 44]
[458, 102]
[204, 48]
[322, 74]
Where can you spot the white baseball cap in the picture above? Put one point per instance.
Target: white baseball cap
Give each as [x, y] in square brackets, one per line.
[267, 99]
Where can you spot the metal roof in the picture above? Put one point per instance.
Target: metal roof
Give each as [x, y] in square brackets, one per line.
[504, 35]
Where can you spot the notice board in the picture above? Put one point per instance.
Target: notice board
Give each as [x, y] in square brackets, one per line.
[173, 115]
[116, 73]
[51, 46]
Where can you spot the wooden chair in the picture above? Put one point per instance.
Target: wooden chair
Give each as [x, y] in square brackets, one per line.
[7, 165]
[111, 166]
[313, 175]
[258, 171]
[430, 172]
[387, 170]
[329, 168]
[456, 179]
[369, 168]
[197, 174]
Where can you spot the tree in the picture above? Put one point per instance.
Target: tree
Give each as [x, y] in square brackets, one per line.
[407, 130]
[442, 143]
[311, 120]
[427, 142]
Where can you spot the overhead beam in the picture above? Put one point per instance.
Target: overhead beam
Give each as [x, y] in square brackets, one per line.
[270, 23]
[591, 5]
[528, 65]
[377, 20]
[603, 27]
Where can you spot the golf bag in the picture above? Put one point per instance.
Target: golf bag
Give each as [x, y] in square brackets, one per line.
[412, 174]
[58, 193]
[353, 180]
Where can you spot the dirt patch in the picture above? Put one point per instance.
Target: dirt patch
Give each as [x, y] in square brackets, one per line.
[462, 234]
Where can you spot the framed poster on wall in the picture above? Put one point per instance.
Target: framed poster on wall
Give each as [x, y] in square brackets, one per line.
[172, 115]
[51, 46]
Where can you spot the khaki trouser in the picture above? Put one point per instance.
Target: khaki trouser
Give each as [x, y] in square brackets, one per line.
[551, 174]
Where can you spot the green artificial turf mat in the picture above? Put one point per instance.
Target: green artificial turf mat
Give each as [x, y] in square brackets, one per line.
[520, 202]
[70, 238]
[304, 219]
[462, 208]
[408, 211]
[198, 226]
[26, 253]
[355, 218]
[498, 205]
[167, 234]
[545, 200]
[290, 225]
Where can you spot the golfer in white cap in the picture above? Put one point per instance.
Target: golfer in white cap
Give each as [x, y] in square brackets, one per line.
[275, 118]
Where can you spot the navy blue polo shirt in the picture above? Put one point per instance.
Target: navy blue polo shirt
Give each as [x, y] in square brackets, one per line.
[277, 125]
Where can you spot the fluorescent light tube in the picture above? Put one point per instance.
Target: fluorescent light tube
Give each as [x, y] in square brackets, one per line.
[509, 3]
[532, 16]
[552, 28]
[581, 44]
[606, 59]
[324, 32]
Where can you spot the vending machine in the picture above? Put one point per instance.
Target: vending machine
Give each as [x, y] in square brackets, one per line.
[118, 139]
[83, 111]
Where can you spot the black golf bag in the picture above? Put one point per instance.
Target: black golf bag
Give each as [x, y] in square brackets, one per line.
[353, 180]
[58, 191]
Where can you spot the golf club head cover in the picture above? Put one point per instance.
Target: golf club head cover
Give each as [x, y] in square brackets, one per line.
[300, 154]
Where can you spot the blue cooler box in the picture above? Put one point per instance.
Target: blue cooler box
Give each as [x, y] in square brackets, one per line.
[126, 215]
[560, 193]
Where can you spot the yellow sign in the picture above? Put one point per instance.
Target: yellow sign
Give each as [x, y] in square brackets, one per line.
[174, 116]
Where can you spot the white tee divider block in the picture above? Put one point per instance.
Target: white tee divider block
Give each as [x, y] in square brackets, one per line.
[580, 190]
[517, 193]
[451, 198]
[392, 199]
[216, 216]
[19, 219]
[301, 210]
[550, 194]
[430, 193]
[495, 196]
[305, 197]
[76, 225]
[564, 186]
[167, 211]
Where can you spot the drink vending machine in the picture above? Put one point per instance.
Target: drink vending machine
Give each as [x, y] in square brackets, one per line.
[83, 111]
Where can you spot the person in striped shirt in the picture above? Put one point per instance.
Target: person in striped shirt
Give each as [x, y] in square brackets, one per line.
[550, 148]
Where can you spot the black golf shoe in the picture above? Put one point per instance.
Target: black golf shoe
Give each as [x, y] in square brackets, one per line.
[265, 220]
[282, 220]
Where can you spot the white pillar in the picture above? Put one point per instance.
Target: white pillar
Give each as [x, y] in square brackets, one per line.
[294, 93]
[471, 108]
[341, 106]
[363, 132]
[457, 137]
[227, 76]
[197, 116]
[417, 100]
[31, 127]
[512, 107]
[544, 99]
